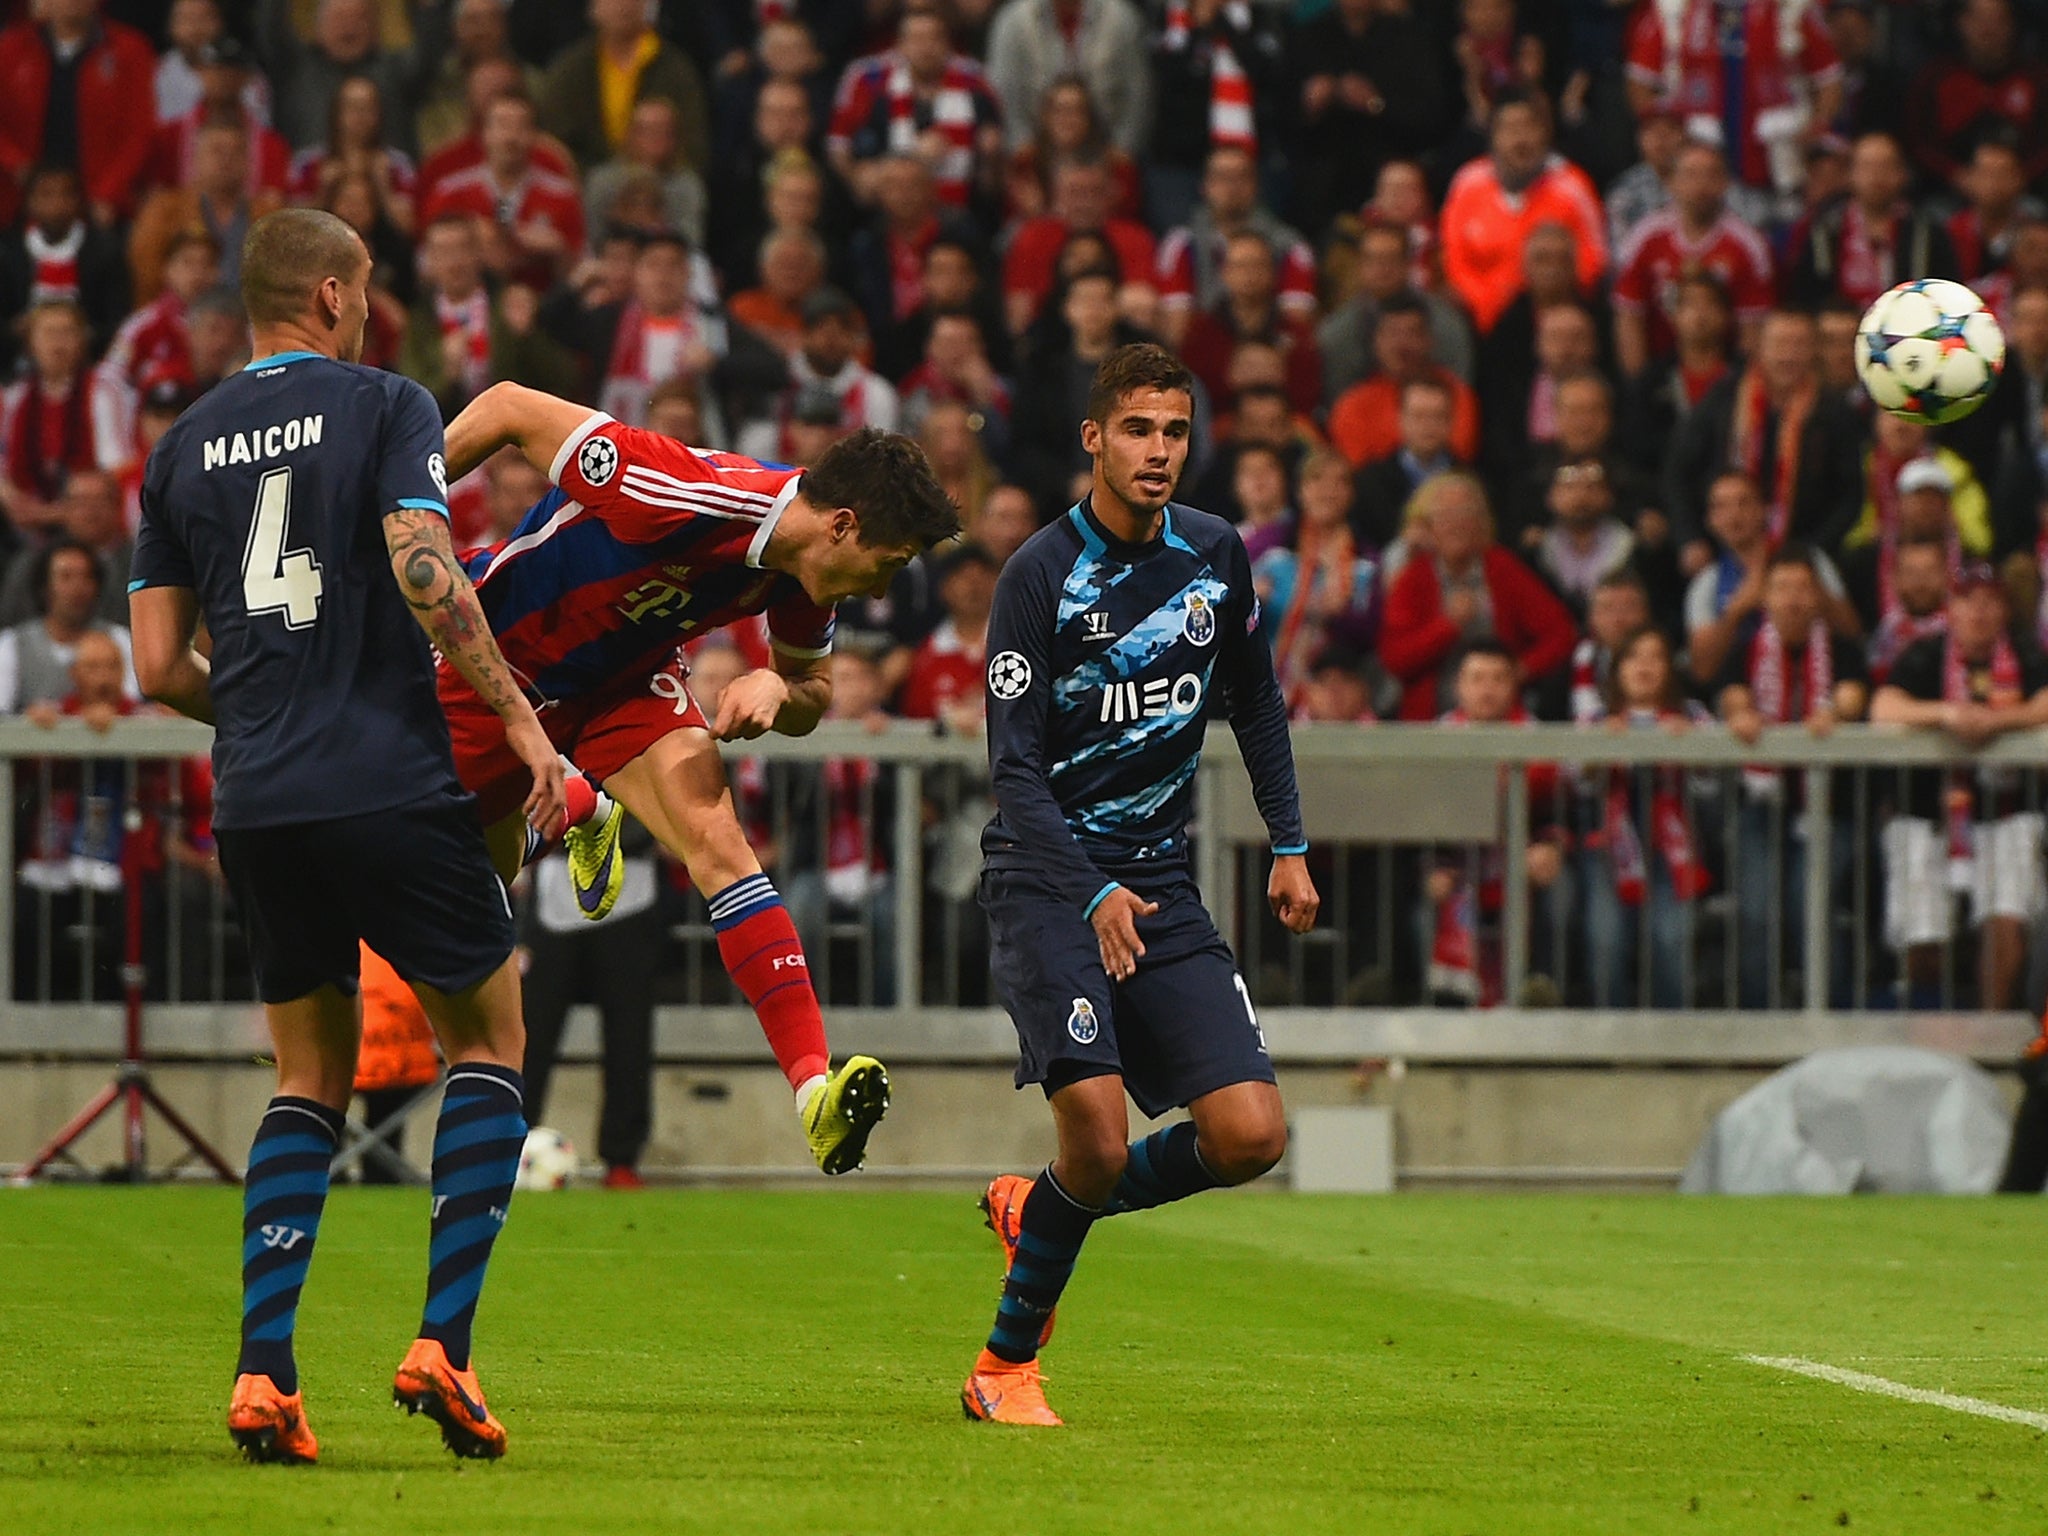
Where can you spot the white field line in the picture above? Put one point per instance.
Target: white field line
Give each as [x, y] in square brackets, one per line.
[1858, 1381]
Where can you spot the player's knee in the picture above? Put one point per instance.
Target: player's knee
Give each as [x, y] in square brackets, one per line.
[1090, 1169]
[1245, 1152]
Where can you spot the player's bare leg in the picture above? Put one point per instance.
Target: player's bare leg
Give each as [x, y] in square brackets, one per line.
[678, 790]
[314, 1039]
[476, 1159]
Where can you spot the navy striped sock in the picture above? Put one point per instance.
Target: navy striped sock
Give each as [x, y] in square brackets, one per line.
[476, 1158]
[1050, 1232]
[282, 1197]
[1164, 1167]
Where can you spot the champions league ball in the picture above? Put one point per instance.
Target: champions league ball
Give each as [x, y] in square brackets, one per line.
[1929, 351]
[547, 1161]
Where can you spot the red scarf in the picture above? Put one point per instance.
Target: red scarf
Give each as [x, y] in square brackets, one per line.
[472, 318]
[1321, 559]
[629, 347]
[2006, 690]
[51, 437]
[1670, 829]
[1752, 416]
[55, 263]
[1863, 264]
[1465, 956]
[1231, 123]
[1770, 686]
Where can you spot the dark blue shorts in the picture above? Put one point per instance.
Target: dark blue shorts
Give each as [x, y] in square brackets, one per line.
[415, 883]
[1181, 1027]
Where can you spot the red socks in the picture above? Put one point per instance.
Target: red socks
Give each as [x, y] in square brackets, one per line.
[758, 944]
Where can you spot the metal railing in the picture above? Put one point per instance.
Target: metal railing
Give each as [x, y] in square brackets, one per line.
[905, 954]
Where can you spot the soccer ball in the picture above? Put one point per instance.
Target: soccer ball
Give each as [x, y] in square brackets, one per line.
[1929, 351]
[547, 1161]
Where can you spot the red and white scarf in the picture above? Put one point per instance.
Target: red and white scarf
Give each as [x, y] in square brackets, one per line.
[1670, 828]
[2006, 689]
[951, 114]
[1589, 667]
[1465, 951]
[1752, 417]
[649, 351]
[1231, 121]
[1897, 630]
[471, 319]
[1771, 688]
[851, 859]
[1863, 264]
[53, 263]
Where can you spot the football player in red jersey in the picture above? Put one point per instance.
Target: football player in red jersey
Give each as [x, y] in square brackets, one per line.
[643, 544]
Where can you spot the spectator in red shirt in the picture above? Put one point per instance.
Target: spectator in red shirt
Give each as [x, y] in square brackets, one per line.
[1068, 124]
[355, 144]
[1250, 309]
[154, 341]
[1986, 85]
[485, 83]
[1082, 197]
[225, 78]
[1364, 423]
[1465, 588]
[62, 416]
[1777, 57]
[1695, 234]
[77, 90]
[1192, 257]
[945, 681]
[920, 98]
[1982, 229]
[1864, 243]
[536, 213]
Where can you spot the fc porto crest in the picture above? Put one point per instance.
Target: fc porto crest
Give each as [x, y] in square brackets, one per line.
[597, 459]
[1200, 624]
[1081, 1023]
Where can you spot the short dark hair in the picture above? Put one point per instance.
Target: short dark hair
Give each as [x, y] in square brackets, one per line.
[887, 481]
[1794, 553]
[1622, 579]
[1138, 365]
[1406, 302]
[1491, 649]
[46, 559]
[290, 253]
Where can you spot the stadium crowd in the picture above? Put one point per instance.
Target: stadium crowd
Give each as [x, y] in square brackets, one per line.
[1524, 333]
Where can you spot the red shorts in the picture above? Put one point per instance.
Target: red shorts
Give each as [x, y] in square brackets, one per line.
[600, 732]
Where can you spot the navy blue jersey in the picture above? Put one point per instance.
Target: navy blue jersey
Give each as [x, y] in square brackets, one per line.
[1106, 661]
[268, 498]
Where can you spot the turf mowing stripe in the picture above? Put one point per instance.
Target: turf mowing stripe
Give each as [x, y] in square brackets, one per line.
[1857, 1381]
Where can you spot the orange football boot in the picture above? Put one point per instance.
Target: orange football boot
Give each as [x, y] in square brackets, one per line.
[427, 1383]
[1002, 1393]
[270, 1425]
[1003, 1204]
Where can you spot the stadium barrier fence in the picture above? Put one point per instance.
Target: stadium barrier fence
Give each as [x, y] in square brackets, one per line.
[873, 838]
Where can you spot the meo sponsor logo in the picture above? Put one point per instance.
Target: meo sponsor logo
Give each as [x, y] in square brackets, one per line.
[1154, 698]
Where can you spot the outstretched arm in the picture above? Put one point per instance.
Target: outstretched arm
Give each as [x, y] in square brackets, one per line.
[437, 590]
[162, 622]
[509, 415]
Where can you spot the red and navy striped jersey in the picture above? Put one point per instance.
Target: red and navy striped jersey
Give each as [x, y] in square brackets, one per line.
[643, 544]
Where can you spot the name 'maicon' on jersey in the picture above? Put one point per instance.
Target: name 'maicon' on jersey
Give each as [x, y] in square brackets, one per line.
[268, 498]
[643, 543]
[1106, 662]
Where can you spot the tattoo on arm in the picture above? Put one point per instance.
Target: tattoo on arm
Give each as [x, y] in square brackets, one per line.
[437, 590]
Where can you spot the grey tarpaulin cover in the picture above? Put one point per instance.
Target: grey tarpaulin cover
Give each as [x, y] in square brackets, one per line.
[1872, 1117]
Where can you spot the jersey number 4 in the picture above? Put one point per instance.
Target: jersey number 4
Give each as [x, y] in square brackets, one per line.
[276, 579]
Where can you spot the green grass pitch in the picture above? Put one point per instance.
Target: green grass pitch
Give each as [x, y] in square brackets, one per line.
[740, 1362]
